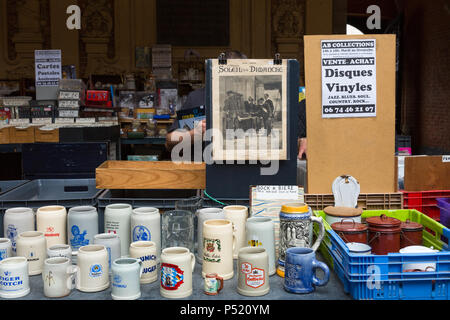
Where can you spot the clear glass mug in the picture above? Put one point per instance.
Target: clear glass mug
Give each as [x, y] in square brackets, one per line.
[178, 229]
[192, 205]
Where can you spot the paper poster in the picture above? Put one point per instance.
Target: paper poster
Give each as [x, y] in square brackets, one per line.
[249, 110]
[47, 67]
[349, 78]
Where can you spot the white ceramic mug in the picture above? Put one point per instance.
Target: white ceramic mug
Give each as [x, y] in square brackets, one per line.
[16, 221]
[260, 232]
[32, 245]
[93, 272]
[218, 245]
[14, 279]
[202, 216]
[177, 265]
[146, 252]
[118, 221]
[5, 248]
[51, 220]
[82, 225]
[146, 226]
[126, 275]
[58, 277]
[60, 250]
[238, 215]
[112, 243]
[253, 267]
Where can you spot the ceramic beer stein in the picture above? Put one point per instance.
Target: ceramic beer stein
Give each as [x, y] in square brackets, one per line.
[260, 232]
[238, 215]
[51, 220]
[16, 221]
[253, 271]
[93, 272]
[60, 250]
[203, 215]
[218, 245]
[146, 252]
[117, 220]
[14, 279]
[5, 248]
[82, 225]
[32, 245]
[296, 230]
[146, 226]
[213, 284]
[126, 275]
[58, 277]
[112, 243]
[300, 269]
[177, 265]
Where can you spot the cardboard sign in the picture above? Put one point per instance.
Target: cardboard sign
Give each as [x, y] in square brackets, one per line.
[349, 81]
[276, 193]
[47, 67]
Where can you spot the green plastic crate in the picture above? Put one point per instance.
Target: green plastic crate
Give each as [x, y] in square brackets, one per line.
[432, 232]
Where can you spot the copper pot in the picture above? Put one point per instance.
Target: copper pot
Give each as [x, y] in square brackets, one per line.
[384, 234]
[411, 234]
[351, 231]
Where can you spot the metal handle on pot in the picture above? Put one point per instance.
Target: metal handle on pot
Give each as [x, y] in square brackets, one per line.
[350, 220]
[318, 220]
[376, 236]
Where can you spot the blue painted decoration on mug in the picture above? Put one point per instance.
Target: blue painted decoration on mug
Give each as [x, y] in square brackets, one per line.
[11, 233]
[300, 268]
[96, 271]
[141, 233]
[78, 239]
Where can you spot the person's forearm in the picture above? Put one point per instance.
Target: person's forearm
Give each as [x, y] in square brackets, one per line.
[175, 137]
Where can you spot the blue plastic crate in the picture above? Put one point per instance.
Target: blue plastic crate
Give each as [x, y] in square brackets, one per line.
[380, 277]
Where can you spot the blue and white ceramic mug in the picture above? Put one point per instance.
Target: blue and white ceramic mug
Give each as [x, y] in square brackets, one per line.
[126, 275]
[14, 280]
[300, 267]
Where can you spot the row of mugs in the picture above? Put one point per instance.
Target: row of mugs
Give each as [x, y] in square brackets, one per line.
[79, 226]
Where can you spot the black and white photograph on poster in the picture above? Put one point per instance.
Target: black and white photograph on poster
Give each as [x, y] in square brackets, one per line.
[249, 110]
[349, 78]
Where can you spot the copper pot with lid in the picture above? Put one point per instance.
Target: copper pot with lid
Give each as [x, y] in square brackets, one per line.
[384, 234]
[351, 231]
[411, 234]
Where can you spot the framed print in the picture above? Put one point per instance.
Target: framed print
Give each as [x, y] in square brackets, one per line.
[249, 110]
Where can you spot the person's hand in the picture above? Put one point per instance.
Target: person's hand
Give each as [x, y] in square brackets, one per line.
[203, 126]
[302, 148]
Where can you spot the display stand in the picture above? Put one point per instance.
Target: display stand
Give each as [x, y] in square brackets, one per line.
[232, 180]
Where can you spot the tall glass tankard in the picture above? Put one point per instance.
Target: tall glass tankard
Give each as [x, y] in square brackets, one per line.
[191, 204]
[178, 229]
[296, 230]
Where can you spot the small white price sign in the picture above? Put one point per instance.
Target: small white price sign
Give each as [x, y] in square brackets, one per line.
[276, 192]
[85, 120]
[64, 120]
[68, 104]
[69, 95]
[19, 121]
[41, 120]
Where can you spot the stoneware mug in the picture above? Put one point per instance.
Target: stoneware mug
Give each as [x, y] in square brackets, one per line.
[177, 265]
[296, 230]
[58, 277]
[14, 279]
[32, 245]
[51, 220]
[260, 233]
[213, 284]
[145, 251]
[146, 226]
[218, 245]
[60, 250]
[82, 225]
[93, 272]
[300, 267]
[238, 215]
[253, 271]
[202, 216]
[126, 275]
[111, 242]
[118, 221]
[16, 221]
[5, 248]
